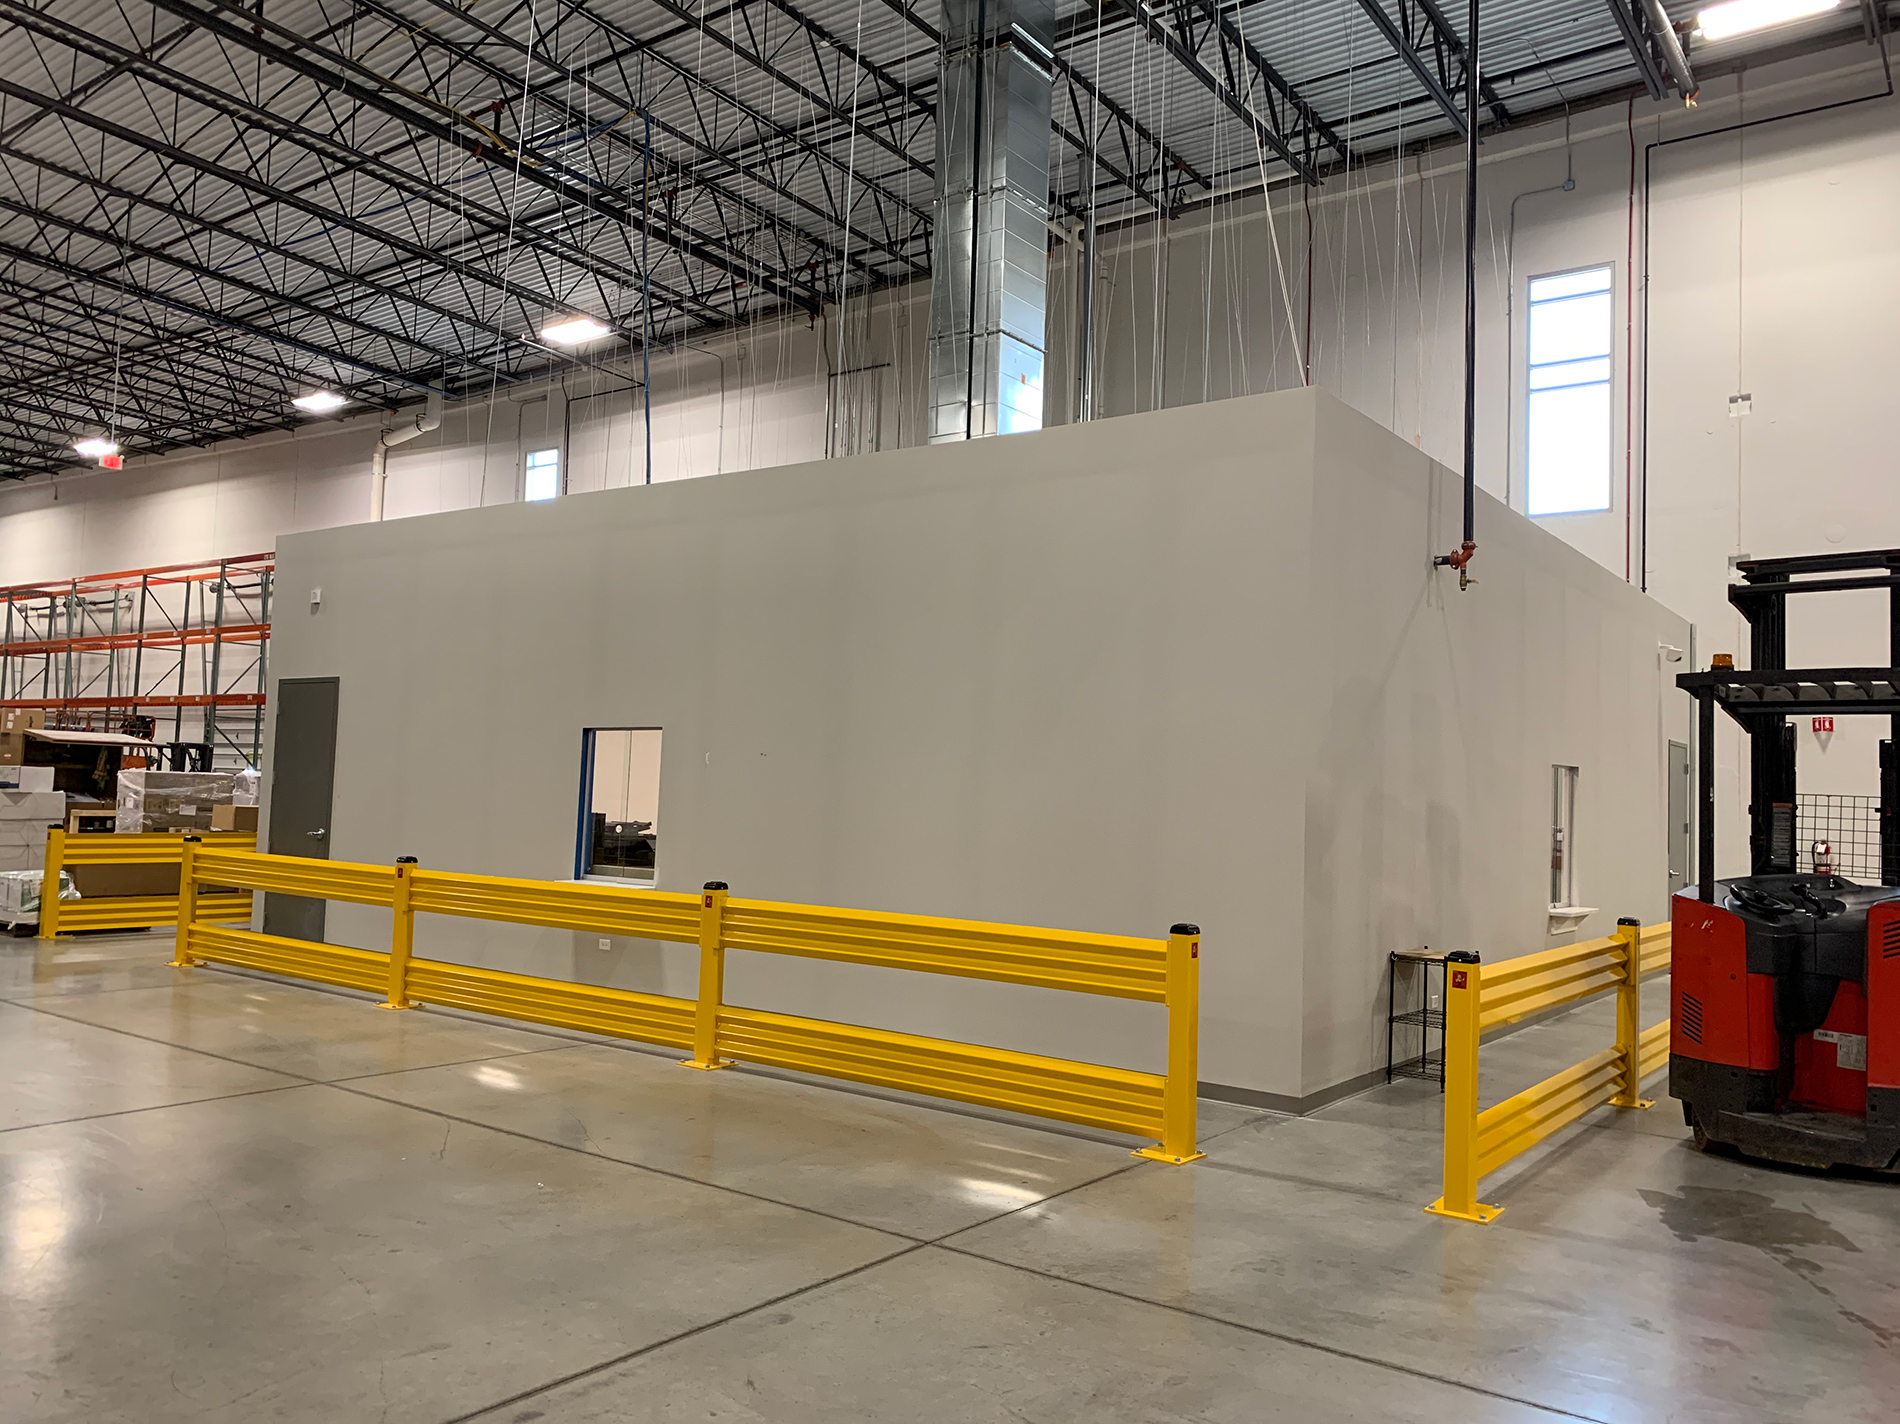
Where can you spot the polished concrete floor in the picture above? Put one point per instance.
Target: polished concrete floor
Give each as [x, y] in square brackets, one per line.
[224, 1198]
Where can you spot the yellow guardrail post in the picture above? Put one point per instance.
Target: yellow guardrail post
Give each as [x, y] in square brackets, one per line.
[1180, 1096]
[402, 934]
[187, 905]
[49, 881]
[1629, 1017]
[712, 979]
[1463, 976]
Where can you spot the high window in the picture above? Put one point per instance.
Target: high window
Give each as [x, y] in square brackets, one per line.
[620, 803]
[1567, 421]
[543, 475]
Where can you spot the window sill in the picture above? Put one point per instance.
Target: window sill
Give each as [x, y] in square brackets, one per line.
[625, 882]
[1562, 919]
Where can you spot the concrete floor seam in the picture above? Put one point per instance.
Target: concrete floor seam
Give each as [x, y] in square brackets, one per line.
[1278, 1335]
[157, 1107]
[653, 1346]
[1039, 1201]
[303, 1079]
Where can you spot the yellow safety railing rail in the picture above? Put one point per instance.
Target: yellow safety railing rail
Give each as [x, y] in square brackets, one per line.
[130, 912]
[1164, 971]
[1480, 997]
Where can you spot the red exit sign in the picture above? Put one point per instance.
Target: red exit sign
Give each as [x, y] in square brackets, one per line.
[1823, 724]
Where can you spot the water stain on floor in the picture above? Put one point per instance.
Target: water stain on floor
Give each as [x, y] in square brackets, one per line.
[1781, 1233]
[1746, 1218]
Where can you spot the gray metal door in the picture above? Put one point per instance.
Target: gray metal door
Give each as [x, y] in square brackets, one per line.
[302, 779]
[1678, 816]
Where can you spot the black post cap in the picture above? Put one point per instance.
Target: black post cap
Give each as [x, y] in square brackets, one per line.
[196, 840]
[1462, 956]
[717, 885]
[1184, 929]
[405, 860]
[1630, 920]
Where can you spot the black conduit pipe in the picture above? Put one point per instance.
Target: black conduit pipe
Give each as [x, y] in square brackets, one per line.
[1461, 560]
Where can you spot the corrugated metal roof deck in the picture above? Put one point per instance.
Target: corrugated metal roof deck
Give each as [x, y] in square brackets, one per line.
[224, 203]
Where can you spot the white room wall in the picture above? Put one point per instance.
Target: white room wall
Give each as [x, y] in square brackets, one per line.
[1769, 262]
[1059, 679]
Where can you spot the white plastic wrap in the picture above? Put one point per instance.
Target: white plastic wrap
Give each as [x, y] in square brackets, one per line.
[244, 787]
[171, 800]
[20, 893]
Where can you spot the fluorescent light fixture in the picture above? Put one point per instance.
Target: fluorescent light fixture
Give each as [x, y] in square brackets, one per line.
[1741, 17]
[96, 447]
[573, 331]
[320, 402]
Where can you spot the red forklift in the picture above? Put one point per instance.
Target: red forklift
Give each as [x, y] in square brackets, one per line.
[1785, 983]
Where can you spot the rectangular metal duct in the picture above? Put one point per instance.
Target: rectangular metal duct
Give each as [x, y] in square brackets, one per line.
[990, 247]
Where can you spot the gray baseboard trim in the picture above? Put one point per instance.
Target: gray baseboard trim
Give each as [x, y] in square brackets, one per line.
[1285, 1103]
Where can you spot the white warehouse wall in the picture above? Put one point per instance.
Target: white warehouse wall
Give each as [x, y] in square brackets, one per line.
[1770, 251]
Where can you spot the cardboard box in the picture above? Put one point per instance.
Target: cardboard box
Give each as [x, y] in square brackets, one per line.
[40, 807]
[24, 817]
[26, 778]
[171, 800]
[14, 722]
[103, 881]
[234, 818]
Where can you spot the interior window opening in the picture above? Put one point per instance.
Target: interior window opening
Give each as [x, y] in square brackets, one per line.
[620, 808]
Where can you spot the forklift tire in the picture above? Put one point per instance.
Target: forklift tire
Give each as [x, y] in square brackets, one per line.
[1703, 1142]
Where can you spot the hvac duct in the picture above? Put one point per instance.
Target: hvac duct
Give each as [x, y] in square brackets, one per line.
[990, 246]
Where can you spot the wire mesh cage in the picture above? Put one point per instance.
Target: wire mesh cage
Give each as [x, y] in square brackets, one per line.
[1849, 829]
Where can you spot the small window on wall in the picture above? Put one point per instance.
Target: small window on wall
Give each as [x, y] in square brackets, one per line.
[543, 478]
[1567, 407]
[620, 804]
[1563, 829]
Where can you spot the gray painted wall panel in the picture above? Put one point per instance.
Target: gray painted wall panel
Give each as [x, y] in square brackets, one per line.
[1103, 677]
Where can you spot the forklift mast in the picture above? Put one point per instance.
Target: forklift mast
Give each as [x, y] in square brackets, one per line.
[1762, 598]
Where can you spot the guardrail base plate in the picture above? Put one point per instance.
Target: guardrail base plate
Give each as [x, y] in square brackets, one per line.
[1484, 1215]
[712, 1067]
[1156, 1154]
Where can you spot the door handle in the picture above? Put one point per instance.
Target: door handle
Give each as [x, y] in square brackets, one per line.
[317, 834]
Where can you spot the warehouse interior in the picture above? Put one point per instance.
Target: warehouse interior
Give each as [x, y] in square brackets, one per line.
[1228, 667]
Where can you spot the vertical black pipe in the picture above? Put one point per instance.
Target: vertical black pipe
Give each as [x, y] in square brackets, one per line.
[646, 271]
[1085, 403]
[1705, 805]
[1471, 279]
[1460, 559]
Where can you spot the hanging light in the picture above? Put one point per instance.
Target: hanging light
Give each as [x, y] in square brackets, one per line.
[1742, 17]
[573, 331]
[95, 447]
[320, 402]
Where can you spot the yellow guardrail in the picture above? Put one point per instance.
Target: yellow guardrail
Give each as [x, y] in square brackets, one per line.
[1480, 997]
[1164, 971]
[129, 912]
